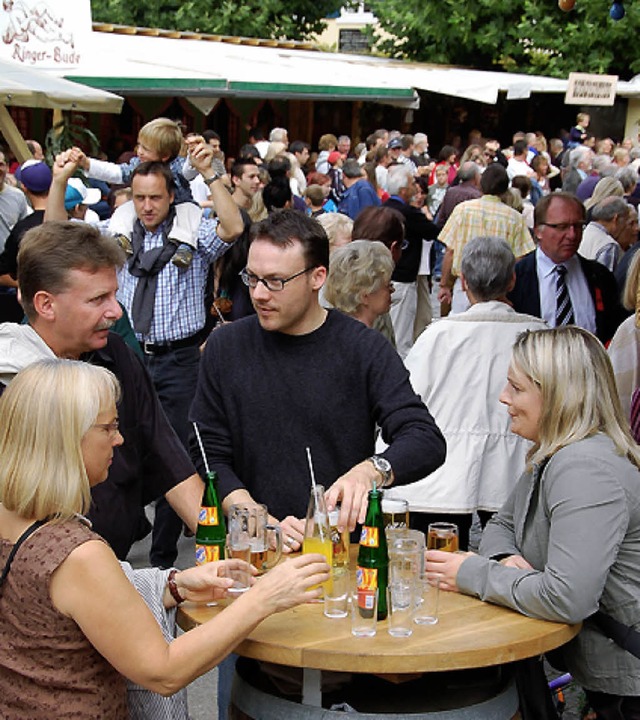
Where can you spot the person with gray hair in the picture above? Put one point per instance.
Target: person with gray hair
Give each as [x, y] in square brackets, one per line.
[604, 239]
[458, 365]
[467, 188]
[580, 164]
[359, 193]
[280, 135]
[410, 309]
[359, 281]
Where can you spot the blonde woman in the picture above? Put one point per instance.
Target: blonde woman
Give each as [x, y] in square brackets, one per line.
[624, 349]
[567, 542]
[359, 281]
[72, 626]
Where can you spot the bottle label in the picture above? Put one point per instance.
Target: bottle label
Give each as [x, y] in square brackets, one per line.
[369, 537]
[366, 582]
[208, 516]
[207, 554]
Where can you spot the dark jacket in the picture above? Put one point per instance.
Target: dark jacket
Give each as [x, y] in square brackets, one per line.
[525, 296]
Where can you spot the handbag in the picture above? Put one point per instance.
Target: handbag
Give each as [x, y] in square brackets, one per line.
[29, 531]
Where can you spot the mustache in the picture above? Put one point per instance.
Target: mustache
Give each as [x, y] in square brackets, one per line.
[105, 325]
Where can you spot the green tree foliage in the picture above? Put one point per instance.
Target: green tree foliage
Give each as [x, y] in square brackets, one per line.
[291, 19]
[528, 36]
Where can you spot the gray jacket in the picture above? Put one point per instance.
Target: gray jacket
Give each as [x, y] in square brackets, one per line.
[578, 524]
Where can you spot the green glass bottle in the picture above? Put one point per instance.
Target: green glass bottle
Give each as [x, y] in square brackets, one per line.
[372, 570]
[211, 535]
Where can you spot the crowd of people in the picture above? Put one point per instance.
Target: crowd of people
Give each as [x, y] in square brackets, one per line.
[435, 325]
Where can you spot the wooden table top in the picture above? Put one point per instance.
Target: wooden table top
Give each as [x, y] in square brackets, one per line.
[469, 634]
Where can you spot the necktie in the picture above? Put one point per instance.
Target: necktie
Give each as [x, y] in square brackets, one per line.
[564, 309]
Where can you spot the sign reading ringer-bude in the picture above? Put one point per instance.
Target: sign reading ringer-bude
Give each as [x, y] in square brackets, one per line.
[44, 34]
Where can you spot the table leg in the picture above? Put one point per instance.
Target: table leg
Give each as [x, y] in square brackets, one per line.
[311, 687]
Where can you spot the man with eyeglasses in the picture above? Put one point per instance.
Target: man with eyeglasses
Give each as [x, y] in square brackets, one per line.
[297, 376]
[557, 284]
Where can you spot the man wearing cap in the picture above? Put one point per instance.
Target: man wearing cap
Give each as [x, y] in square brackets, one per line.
[395, 149]
[77, 199]
[13, 204]
[35, 179]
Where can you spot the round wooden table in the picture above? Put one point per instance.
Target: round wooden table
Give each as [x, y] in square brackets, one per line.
[469, 634]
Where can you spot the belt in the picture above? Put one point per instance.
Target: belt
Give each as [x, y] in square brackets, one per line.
[167, 347]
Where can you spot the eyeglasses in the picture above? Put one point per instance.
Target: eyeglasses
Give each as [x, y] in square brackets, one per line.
[563, 227]
[272, 284]
[112, 428]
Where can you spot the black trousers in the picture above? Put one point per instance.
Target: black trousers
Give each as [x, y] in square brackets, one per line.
[614, 707]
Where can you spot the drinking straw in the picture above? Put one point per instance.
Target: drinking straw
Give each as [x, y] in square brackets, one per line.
[314, 487]
[204, 457]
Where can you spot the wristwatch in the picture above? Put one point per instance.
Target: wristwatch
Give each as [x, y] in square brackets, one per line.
[383, 466]
[212, 179]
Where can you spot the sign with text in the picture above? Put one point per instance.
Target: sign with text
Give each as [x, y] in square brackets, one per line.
[45, 34]
[586, 89]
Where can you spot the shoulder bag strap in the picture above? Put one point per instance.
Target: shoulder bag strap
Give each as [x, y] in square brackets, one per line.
[29, 531]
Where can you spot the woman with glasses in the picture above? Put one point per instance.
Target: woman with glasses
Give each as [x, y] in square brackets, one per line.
[72, 626]
[566, 544]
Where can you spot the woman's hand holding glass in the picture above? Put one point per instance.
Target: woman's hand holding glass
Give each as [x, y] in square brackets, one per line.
[210, 581]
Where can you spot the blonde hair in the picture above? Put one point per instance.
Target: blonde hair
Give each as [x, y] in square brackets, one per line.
[163, 136]
[357, 269]
[579, 397]
[44, 414]
[334, 223]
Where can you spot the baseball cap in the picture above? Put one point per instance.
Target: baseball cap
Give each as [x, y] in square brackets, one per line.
[77, 193]
[35, 175]
[394, 144]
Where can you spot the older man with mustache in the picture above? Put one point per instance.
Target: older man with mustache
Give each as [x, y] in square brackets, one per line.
[67, 281]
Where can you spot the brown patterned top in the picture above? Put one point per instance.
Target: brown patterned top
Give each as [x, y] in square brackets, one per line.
[48, 668]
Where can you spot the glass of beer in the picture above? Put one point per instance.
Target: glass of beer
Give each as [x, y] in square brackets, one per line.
[395, 513]
[442, 536]
[249, 528]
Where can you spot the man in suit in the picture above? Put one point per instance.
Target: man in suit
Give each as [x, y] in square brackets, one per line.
[555, 283]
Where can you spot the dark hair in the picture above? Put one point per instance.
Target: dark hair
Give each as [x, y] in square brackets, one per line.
[446, 152]
[256, 134]
[279, 167]
[285, 227]
[494, 180]
[238, 167]
[379, 223]
[276, 194]
[542, 206]
[297, 146]
[50, 251]
[209, 135]
[407, 141]
[523, 184]
[155, 167]
[248, 151]
[519, 147]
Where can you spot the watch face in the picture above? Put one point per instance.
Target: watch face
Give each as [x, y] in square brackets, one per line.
[382, 464]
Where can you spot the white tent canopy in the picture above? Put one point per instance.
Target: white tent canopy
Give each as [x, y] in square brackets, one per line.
[25, 87]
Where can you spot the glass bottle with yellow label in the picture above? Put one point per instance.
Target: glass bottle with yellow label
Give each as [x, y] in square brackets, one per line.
[372, 569]
[211, 535]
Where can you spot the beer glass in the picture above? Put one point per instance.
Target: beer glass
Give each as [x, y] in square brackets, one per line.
[249, 530]
[442, 536]
[395, 512]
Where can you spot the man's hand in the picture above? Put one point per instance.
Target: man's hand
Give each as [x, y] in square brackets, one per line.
[292, 534]
[201, 154]
[66, 164]
[352, 490]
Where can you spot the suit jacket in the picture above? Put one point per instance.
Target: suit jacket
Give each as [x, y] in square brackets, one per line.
[417, 228]
[525, 296]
